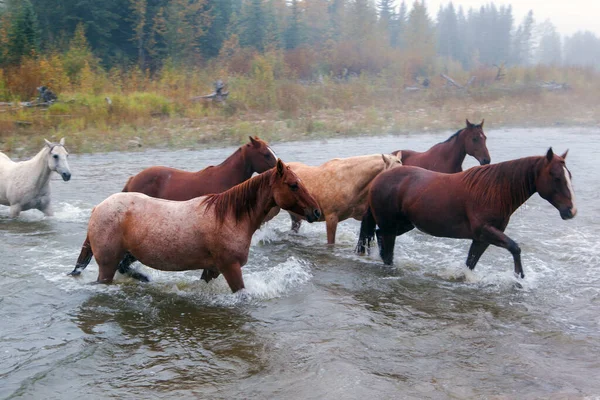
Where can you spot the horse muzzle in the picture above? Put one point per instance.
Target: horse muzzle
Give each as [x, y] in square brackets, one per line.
[66, 176]
[568, 213]
[485, 161]
[313, 215]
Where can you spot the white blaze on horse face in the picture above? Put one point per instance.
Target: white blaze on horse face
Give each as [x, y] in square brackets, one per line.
[570, 186]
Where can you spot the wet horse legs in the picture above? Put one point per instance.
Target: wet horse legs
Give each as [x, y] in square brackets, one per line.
[386, 242]
[475, 252]
[125, 268]
[233, 276]
[498, 238]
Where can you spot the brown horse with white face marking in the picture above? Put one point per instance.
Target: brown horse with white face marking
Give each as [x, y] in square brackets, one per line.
[448, 156]
[174, 184]
[211, 232]
[341, 186]
[475, 204]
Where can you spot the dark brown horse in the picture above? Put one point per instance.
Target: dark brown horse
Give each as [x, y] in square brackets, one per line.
[475, 204]
[174, 184]
[448, 156]
[211, 232]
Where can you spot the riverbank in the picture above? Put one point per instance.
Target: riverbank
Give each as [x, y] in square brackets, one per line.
[146, 120]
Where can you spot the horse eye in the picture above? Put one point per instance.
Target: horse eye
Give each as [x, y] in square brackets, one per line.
[294, 187]
[55, 156]
[268, 155]
[475, 139]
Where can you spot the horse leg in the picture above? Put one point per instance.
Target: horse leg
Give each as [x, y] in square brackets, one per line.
[233, 276]
[496, 237]
[475, 252]
[331, 222]
[209, 274]
[45, 207]
[386, 242]
[367, 232]
[106, 272]
[125, 268]
[15, 210]
[296, 222]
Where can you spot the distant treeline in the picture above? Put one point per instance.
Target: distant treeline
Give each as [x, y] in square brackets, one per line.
[331, 37]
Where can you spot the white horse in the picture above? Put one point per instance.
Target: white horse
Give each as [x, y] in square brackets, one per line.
[25, 185]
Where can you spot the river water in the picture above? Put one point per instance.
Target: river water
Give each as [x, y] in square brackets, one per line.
[317, 321]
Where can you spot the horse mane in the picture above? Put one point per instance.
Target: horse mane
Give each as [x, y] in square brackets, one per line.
[505, 185]
[241, 199]
[454, 136]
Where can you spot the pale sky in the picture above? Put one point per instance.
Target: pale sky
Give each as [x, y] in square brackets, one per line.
[568, 16]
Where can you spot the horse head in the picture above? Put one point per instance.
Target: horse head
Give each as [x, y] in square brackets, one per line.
[553, 183]
[474, 140]
[391, 161]
[57, 159]
[291, 194]
[259, 155]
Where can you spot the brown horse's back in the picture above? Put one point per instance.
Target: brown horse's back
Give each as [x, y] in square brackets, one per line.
[173, 184]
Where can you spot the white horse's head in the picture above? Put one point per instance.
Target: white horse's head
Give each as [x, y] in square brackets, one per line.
[57, 159]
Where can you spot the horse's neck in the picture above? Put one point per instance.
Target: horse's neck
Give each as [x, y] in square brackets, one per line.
[449, 154]
[239, 171]
[35, 171]
[265, 201]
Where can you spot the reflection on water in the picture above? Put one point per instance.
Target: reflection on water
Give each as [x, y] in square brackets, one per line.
[316, 321]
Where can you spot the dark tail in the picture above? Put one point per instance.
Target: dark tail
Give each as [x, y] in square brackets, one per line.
[125, 188]
[84, 258]
[367, 232]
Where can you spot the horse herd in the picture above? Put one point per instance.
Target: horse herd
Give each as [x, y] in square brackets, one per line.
[175, 220]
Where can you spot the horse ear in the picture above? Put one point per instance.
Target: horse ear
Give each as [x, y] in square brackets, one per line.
[549, 154]
[481, 124]
[469, 125]
[253, 141]
[386, 162]
[49, 144]
[62, 141]
[564, 155]
[280, 167]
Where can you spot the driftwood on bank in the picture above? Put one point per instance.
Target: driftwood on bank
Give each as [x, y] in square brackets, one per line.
[451, 81]
[218, 95]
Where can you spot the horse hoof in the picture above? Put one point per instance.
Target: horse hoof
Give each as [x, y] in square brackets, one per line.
[75, 272]
[518, 285]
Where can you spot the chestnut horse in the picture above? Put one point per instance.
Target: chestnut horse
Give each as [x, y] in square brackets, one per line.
[475, 204]
[341, 186]
[211, 232]
[174, 184]
[448, 156]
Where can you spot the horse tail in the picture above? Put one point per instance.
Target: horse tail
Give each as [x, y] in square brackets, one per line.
[125, 188]
[367, 232]
[85, 256]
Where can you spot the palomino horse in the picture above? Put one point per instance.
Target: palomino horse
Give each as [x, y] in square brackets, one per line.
[448, 156]
[341, 186]
[25, 185]
[174, 184]
[475, 204]
[211, 232]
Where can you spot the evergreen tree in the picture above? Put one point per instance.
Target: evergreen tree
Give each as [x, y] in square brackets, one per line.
[523, 41]
[221, 12]
[398, 27]
[293, 32]
[448, 40]
[23, 34]
[253, 25]
[420, 40]
[386, 12]
[549, 49]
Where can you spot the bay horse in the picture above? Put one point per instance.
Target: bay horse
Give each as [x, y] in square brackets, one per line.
[25, 185]
[475, 204]
[340, 186]
[448, 156]
[175, 184]
[210, 232]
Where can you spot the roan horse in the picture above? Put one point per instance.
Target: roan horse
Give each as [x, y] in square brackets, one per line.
[341, 186]
[211, 232]
[475, 204]
[25, 185]
[174, 184]
[448, 156]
